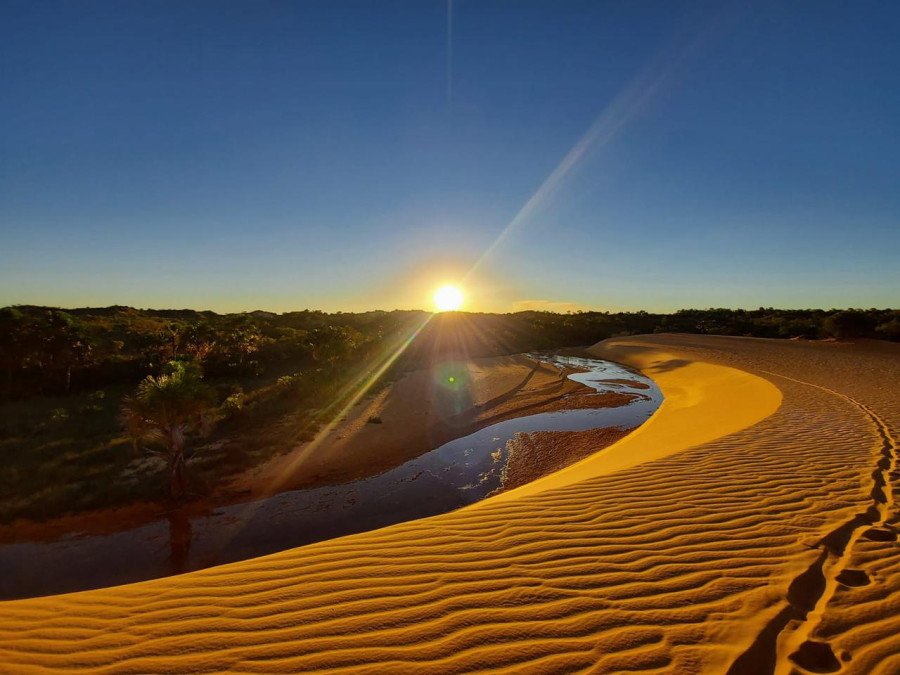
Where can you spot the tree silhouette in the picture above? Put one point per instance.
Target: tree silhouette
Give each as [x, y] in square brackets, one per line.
[65, 344]
[240, 337]
[850, 323]
[199, 340]
[163, 411]
[333, 344]
[14, 347]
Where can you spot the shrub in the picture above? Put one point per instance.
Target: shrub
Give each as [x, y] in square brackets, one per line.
[233, 403]
[850, 323]
[889, 330]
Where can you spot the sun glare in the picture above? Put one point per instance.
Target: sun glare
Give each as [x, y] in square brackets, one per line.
[448, 299]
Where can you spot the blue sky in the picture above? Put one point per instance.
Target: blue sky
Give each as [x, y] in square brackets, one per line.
[351, 156]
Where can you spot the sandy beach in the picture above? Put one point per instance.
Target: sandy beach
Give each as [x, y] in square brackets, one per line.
[749, 526]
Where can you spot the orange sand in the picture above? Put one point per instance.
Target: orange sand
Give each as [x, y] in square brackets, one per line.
[418, 413]
[423, 410]
[711, 539]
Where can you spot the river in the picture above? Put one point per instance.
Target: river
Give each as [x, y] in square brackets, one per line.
[451, 476]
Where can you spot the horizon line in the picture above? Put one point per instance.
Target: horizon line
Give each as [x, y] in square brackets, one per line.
[425, 311]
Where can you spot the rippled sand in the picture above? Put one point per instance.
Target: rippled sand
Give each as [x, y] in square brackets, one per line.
[748, 526]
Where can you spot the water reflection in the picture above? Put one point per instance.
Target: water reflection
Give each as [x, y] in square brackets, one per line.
[457, 473]
[179, 541]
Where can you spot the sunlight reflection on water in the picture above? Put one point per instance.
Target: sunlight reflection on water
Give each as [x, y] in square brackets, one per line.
[457, 473]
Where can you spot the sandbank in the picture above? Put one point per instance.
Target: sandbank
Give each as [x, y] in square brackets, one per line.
[749, 527]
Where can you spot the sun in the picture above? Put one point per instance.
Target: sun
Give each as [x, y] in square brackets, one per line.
[448, 299]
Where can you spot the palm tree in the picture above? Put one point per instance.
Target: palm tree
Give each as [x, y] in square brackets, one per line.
[163, 410]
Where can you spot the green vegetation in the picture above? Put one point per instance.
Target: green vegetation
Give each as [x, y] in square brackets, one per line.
[270, 381]
[164, 410]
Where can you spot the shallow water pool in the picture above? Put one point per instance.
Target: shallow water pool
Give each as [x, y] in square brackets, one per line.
[453, 475]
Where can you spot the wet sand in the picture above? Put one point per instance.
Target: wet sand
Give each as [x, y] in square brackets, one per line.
[750, 526]
[423, 410]
[419, 412]
[540, 453]
[458, 473]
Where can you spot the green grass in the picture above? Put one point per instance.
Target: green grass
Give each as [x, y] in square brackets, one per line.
[66, 454]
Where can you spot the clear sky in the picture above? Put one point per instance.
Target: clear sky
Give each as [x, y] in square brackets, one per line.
[350, 156]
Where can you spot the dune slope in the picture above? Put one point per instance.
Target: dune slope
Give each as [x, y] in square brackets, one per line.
[716, 538]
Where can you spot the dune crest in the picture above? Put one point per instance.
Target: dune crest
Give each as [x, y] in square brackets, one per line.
[703, 402]
[751, 512]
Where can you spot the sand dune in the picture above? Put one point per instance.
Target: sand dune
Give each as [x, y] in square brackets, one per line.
[731, 532]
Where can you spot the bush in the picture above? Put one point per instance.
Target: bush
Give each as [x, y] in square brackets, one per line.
[286, 381]
[233, 403]
[850, 323]
[889, 330]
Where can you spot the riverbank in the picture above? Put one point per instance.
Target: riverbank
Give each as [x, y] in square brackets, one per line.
[419, 412]
[698, 543]
[423, 410]
[455, 474]
[540, 453]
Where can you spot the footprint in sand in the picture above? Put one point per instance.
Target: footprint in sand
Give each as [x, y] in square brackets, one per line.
[880, 534]
[817, 657]
[853, 578]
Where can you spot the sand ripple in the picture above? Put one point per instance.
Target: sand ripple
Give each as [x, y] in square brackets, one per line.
[713, 538]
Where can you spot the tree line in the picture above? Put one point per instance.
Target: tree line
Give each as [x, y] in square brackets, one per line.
[259, 383]
[53, 351]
